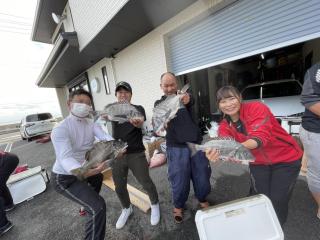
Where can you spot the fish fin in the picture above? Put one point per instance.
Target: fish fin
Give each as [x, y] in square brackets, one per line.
[192, 148]
[78, 173]
[185, 88]
[121, 121]
[87, 155]
[223, 138]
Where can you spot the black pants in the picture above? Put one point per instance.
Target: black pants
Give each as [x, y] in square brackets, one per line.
[138, 164]
[8, 162]
[276, 182]
[85, 193]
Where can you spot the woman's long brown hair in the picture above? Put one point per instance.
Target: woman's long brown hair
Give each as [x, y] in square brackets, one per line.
[226, 92]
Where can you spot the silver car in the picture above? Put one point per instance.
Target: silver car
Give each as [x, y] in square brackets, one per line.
[283, 99]
[36, 124]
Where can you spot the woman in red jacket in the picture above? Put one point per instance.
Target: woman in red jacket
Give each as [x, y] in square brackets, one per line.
[277, 155]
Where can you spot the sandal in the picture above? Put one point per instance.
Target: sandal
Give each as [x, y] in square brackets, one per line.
[204, 205]
[178, 215]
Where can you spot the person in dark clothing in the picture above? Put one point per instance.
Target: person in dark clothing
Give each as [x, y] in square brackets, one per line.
[8, 163]
[310, 129]
[277, 154]
[181, 166]
[133, 159]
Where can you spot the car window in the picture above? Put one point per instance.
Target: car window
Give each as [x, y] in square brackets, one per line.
[251, 93]
[281, 90]
[38, 117]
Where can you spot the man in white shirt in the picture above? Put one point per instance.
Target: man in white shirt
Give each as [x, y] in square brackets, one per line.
[71, 139]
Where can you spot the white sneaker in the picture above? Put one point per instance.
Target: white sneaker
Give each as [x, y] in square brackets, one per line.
[155, 214]
[126, 212]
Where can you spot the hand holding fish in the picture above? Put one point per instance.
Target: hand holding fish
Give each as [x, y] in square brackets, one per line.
[212, 154]
[101, 156]
[167, 109]
[105, 117]
[228, 150]
[121, 153]
[96, 170]
[185, 98]
[234, 160]
[137, 122]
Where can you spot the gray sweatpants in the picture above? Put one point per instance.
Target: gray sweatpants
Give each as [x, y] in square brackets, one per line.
[138, 164]
[311, 144]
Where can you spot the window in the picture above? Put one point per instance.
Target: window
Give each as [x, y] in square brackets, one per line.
[283, 89]
[105, 80]
[83, 85]
[38, 117]
[251, 93]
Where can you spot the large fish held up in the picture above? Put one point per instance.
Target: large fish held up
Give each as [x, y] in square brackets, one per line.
[166, 111]
[101, 151]
[228, 148]
[120, 112]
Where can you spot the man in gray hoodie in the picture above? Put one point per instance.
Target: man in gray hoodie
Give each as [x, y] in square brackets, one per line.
[310, 129]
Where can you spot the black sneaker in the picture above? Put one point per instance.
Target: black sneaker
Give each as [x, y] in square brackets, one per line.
[6, 228]
[9, 207]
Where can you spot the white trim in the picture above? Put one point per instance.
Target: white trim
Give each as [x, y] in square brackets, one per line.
[52, 57]
[36, 20]
[248, 54]
[8, 147]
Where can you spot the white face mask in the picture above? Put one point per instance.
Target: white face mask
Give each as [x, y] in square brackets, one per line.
[80, 110]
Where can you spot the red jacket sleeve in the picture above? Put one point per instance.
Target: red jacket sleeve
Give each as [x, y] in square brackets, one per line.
[227, 131]
[258, 121]
[224, 130]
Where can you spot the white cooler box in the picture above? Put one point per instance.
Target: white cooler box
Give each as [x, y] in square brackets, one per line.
[27, 184]
[251, 218]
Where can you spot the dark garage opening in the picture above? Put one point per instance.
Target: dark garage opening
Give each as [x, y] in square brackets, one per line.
[289, 63]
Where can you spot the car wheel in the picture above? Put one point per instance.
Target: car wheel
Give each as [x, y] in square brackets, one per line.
[29, 139]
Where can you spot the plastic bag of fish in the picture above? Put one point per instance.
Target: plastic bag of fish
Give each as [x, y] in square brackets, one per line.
[120, 112]
[166, 111]
[228, 148]
[107, 151]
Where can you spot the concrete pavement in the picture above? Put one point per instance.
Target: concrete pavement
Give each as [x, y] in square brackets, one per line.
[51, 216]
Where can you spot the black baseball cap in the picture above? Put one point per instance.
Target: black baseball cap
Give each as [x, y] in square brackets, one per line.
[124, 85]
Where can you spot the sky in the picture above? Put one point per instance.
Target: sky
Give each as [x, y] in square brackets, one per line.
[21, 62]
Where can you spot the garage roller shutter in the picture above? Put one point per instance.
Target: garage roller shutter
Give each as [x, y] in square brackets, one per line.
[243, 29]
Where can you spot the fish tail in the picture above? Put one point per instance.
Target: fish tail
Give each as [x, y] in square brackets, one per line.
[192, 148]
[78, 172]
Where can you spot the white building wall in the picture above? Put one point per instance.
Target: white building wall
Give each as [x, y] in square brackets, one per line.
[142, 63]
[89, 17]
[68, 23]
[62, 94]
[101, 99]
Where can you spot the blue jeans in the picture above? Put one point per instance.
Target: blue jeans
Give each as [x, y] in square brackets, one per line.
[182, 168]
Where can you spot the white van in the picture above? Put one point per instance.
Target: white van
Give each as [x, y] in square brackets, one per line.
[36, 124]
[283, 99]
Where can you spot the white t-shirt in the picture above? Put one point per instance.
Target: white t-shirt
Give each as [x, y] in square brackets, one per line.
[71, 139]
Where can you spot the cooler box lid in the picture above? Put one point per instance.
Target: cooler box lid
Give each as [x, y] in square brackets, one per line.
[251, 218]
